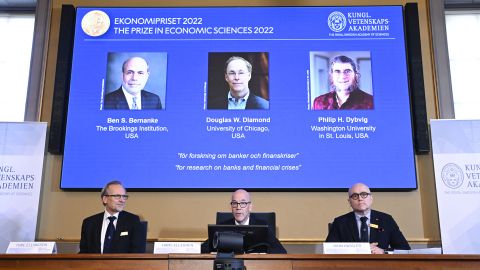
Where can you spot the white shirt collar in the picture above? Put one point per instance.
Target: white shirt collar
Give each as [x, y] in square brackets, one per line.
[106, 215]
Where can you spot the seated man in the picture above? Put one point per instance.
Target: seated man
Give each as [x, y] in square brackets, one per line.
[241, 207]
[366, 225]
[113, 230]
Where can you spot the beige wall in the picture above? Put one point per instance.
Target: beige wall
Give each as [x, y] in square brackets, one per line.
[301, 216]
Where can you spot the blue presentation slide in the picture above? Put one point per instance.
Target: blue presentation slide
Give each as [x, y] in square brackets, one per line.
[286, 98]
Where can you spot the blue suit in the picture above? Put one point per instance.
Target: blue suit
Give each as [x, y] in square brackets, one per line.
[345, 229]
[116, 101]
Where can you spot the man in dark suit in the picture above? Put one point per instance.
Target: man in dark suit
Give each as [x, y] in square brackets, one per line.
[238, 73]
[132, 95]
[114, 230]
[366, 225]
[241, 205]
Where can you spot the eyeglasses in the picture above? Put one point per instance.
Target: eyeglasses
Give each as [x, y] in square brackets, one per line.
[239, 74]
[117, 196]
[355, 196]
[242, 204]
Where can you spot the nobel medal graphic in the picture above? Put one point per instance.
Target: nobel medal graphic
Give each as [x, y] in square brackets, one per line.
[452, 175]
[95, 23]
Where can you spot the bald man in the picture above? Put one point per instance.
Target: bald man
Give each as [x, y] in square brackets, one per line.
[380, 229]
[241, 205]
[132, 95]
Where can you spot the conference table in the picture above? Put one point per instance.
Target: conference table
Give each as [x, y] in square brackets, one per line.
[252, 261]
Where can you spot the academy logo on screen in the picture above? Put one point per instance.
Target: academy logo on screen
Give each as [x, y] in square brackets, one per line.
[337, 21]
[358, 24]
[95, 23]
[452, 175]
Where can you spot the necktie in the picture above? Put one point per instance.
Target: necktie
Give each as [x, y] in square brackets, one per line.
[363, 230]
[107, 243]
[134, 103]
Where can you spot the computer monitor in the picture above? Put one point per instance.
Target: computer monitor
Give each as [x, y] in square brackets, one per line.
[266, 218]
[255, 237]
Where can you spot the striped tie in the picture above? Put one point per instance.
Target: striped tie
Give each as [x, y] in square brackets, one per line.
[134, 103]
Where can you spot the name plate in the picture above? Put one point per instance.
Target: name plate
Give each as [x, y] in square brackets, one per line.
[31, 248]
[176, 247]
[346, 248]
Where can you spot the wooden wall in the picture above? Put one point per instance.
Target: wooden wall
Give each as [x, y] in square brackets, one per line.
[301, 216]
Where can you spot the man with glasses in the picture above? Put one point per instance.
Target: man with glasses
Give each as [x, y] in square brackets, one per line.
[241, 205]
[113, 230]
[345, 93]
[366, 225]
[238, 73]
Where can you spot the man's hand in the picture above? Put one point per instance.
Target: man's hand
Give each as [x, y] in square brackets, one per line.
[375, 249]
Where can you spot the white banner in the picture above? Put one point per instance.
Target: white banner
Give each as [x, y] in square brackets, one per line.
[456, 156]
[22, 149]
[32, 248]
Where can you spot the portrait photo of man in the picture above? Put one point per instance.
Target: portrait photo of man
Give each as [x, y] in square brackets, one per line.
[129, 75]
[336, 83]
[238, 81]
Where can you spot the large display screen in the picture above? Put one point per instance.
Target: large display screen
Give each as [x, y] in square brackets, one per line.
[283, 98]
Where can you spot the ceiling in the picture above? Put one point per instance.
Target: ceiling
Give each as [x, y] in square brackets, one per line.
[17, 3]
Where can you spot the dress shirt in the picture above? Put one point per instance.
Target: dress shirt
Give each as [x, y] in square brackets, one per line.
[237, 104]
[129, 98]
[105, 223]
[359, 223]
[357, 100]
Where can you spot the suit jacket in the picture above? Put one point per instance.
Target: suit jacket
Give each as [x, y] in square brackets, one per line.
[275, 245]
[130, 235]
[116, 100]
[345, 229]
[253, 102]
